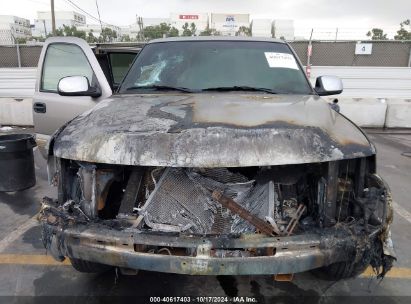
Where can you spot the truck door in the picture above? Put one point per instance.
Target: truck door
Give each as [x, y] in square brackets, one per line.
[62, 57]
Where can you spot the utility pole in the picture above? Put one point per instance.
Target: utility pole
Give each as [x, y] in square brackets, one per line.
[309, 53]
[45, 31]
[99, 19]
[140, 27]
[53, 18]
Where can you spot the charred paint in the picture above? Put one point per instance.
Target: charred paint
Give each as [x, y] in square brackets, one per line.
[195, 130]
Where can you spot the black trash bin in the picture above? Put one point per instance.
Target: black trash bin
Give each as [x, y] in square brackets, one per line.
[16, 162]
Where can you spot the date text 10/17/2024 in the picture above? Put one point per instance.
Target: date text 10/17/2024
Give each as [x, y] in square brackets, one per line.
[203, 299]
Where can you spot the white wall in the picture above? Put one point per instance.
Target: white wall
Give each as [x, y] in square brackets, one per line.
[284, 28]
[369, 82]
[17, 82]
[154, 21]
[199, 19]
[229, 24]
[261, 28]
[367, 106]
[69, 18]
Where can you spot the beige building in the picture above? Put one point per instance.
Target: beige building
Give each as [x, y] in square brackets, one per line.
[12, 28]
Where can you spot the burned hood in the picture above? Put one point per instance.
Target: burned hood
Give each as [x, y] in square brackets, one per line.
[211, 130]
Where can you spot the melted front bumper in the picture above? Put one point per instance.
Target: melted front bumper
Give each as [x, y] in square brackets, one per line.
[128, 248]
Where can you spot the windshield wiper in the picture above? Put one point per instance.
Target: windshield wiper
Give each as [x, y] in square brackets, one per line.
[241, 88]
[160, 88]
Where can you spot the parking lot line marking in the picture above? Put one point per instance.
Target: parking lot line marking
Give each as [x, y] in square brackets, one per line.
[17, 233]
[394, 273]
[31, 259]
[401, 211]
[46, 260]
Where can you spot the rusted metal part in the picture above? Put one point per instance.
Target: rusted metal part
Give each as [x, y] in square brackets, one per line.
[193, 130]
[331, 194]
[243, 213]
[359, 176]
[389, 255]
[294, 220]
[131, 191]
[284, 277]
[98, 243]
[94, 188]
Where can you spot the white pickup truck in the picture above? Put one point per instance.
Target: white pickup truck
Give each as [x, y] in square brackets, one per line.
[213, 156]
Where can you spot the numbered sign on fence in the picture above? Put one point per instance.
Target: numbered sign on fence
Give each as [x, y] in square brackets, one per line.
[363, 49]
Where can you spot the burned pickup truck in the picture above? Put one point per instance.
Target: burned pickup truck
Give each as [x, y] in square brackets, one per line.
[215, 156]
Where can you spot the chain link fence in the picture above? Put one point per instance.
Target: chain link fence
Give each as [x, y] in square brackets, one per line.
[387, 53]
[19, 55]
[13, 54]
[324, 53]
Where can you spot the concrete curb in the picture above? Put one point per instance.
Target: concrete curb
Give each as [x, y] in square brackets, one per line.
[365, 112]
[398, 113]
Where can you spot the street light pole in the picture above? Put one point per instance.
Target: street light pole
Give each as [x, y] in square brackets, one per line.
[53, 18]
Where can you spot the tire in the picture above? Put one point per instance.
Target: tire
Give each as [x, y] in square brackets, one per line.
[89, 267]
[340, 270]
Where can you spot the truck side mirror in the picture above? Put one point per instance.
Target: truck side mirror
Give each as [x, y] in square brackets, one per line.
[328, 85]
[77, 86]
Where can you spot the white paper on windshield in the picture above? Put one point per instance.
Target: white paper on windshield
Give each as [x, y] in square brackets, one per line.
[281, 60]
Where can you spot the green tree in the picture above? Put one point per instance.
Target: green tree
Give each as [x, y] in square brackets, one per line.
[186, 30]
[125, 38]
[160, 31]
[70, 31]
[377, 34]
[173, 32]
[189, 29]
[193, 29]
[20, 40]
[91, 38]
[243, 31]
[107, 35]
[38, 39]
[402, 33]
[209, 32]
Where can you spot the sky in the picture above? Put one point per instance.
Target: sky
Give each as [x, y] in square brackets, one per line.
[325, 16]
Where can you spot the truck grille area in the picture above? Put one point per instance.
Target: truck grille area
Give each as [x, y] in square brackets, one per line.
[181, 200]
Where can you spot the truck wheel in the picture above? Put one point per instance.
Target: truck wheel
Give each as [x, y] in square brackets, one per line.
[341, 270]
[89, 267]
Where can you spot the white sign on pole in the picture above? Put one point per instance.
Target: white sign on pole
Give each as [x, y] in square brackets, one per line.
[363, 49]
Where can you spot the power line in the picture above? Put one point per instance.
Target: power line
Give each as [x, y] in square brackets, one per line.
[85, 12]
[45, 4]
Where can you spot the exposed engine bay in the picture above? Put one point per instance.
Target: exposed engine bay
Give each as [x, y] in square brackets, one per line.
[277, 201]
[182, 201]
